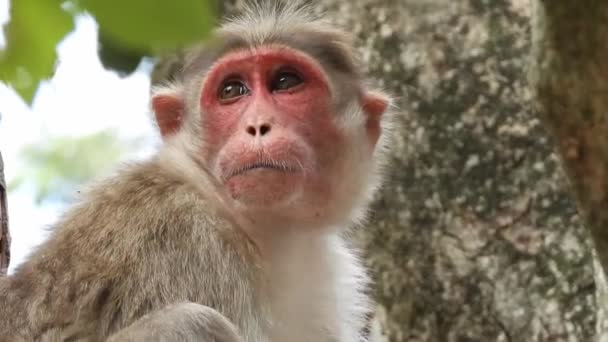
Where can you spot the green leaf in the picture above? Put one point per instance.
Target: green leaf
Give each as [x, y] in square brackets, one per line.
[34, 29]
[152, 25]
[118, 57]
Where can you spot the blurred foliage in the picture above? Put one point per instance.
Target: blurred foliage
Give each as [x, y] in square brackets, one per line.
[35, 27]
[128, 31]
[58, 165]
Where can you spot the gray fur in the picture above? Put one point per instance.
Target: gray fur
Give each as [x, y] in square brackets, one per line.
[134, 244]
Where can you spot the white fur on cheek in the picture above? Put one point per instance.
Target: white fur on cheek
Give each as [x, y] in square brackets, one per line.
[361, 177]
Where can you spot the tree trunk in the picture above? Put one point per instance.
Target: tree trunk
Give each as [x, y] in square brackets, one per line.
[5, 239]
[475, 238]
[570, 75]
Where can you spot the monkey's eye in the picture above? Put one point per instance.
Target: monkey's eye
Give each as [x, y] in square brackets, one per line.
[232, 90]
[284, 80]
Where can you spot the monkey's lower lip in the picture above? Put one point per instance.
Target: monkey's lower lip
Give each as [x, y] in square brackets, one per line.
[263, 166]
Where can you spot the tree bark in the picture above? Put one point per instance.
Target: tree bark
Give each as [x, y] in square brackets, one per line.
[476, 237]
[5, 239]
[570, 75]
[570, 78]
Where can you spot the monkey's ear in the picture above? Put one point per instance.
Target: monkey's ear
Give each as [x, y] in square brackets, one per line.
[374, 105]
[168, 106]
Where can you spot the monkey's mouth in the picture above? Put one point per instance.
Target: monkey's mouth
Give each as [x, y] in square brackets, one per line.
[263, 166]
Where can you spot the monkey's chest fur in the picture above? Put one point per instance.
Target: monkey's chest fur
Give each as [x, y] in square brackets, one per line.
[317, 294]
[144, 240]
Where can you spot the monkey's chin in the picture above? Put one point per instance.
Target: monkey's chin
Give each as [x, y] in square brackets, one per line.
[265, 188]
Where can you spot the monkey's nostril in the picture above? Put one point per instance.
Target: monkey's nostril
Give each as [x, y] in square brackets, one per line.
[264, 129]
[261, 130]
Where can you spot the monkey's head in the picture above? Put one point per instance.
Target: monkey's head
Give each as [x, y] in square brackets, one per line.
[277, 111]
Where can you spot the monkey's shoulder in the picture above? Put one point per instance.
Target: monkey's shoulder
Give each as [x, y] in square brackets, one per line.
[142, 186]
[139, 212]
[134, 243]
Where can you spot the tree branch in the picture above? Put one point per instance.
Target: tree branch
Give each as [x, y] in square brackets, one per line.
[5, 239]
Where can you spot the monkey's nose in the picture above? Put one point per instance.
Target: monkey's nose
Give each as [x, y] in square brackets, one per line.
[261, 130]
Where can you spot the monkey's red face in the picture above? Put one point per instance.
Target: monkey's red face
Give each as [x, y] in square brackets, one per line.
[272, 134]
[269, 128]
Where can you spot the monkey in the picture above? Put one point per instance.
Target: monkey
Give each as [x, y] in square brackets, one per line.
[273, 146]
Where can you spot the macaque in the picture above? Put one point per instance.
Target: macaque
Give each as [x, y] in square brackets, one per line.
[273, 146]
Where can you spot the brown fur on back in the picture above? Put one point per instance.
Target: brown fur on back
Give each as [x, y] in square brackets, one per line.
[135, 243]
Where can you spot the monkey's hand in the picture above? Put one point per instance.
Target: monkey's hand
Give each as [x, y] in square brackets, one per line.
[180, 323]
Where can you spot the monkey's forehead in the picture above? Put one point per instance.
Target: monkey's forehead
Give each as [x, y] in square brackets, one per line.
[331, 49]
[293, 23]
[264, 57]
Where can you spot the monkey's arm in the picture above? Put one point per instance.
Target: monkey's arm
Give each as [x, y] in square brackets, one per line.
[180, 322]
